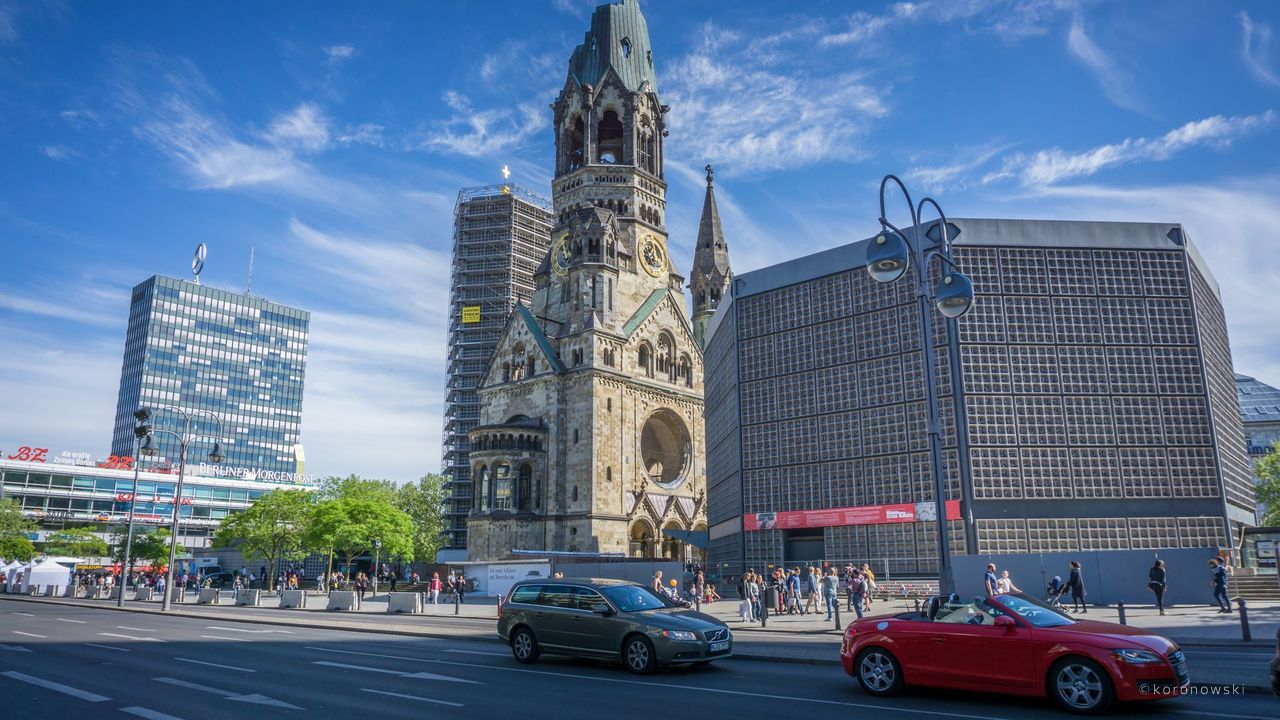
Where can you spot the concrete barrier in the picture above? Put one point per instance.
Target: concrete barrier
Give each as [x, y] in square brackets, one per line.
[293, 599]
[404, 602]
[250, 598]
[143, 593]
[178, 594]
[346, 600]
[208, 596]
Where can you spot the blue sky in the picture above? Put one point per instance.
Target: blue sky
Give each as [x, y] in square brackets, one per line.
[333, 138]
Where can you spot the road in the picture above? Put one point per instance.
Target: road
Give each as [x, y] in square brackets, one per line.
[58, 661]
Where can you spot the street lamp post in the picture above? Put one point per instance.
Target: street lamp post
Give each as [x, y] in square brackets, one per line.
[377, 550]
[143, 442]
[889, 256]
[184, 440]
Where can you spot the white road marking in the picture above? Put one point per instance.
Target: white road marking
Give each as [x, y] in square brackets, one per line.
[213, 664]
[668, 686]
[15, 612]
[126, 627]
[132, 637]
[411, 697]
[148, 713]
[57, 687]
[108, 647]
[223, 637]
[401, 673]
[232, 629]
[19, 632]
[254, 698]
[78, 622]
[479, 652]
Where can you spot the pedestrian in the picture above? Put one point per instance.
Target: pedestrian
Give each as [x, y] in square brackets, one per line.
[870, 579]
[712, 595]
[1004, 584]
[857, 591]
[362, 584]
[433, 589]
[460, 587]
[393, 578]
[793, 592]
[1075, 583]
[1219, 582]
[1156, 581]
[700, 585]
[416, 578]
[656, 585]
[744, 598]
[753, 595]
[811, 593]
[989, 581]
[830, 591]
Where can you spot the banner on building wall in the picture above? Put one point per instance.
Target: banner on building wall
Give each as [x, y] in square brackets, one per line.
[836, 517]
[470, 313]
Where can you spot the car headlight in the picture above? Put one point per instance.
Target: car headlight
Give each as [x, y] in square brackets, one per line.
[1136, 656]
[679, 635]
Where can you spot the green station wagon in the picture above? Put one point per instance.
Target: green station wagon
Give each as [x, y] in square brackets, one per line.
[609, 620]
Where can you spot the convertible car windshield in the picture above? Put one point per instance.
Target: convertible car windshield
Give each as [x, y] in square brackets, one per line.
[1033, 611]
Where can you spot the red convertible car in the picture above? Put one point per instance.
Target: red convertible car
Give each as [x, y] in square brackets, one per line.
[1013, 644]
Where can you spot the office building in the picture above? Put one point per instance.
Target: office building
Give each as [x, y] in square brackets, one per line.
[1260, 413]
[1098, 398]
[500, 234]
[240, 357]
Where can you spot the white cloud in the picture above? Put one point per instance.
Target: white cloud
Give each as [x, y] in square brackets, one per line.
[479, 133]
[864, 26]
[1048, 167]
[959, 173]
[748, 118]
[339, 54]
[1009, 20]
[1256, 49]
[304, 129]
[81, 119]
[1114, 80]
[58, 152]
[86, 310]
[8, 24]
[362, 134]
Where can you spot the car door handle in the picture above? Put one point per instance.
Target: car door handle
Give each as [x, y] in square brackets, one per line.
[938, 640]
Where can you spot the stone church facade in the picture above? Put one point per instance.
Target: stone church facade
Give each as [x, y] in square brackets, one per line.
[591, 434]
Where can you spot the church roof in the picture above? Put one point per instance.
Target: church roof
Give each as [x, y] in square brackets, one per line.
[618, 39]
[711, 256]
[642, 313]
[540, 337]
[1259, 402]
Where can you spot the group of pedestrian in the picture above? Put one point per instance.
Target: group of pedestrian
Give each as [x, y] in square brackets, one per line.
[801, 591]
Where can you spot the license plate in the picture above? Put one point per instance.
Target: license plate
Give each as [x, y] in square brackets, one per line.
[719, 646]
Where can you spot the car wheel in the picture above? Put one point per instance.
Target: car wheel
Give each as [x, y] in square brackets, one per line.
[638, 655]
[524, 646]
[1081, 686]
[878, 672]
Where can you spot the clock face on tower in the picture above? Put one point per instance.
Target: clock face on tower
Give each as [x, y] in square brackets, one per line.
[653, 257]
[560, 255]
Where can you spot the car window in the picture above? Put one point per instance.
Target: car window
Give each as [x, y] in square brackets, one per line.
[634, 598]
[586, 598]
[527, 594]
[559, 596]
[977, 612]
[1033, 611]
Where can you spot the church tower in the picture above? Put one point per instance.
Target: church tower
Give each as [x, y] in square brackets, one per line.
[710, 278]
[591, 436]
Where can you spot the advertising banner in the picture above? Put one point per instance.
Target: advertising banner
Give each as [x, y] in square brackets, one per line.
[835, 517]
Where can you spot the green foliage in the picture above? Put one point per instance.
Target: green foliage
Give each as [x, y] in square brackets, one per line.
[351, 525]
[356, 487]
[16, 547]
[1267, 470]
[424, 503]
[75, 542]
[11, 518]
[271, 529]
[150, 547]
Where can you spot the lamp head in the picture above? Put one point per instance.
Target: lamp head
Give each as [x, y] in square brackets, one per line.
[215, 455]
[142, 431]
[149, 447]
[955, 295]
[888, 256]
[142, 414]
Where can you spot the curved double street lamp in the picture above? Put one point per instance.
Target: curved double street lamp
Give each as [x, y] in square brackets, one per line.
[146, 433]
[889, 256]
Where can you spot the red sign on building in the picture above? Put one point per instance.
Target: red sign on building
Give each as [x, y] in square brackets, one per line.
[835, 517]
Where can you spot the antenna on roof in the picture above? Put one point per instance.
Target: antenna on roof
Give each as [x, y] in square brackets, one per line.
[249, 290]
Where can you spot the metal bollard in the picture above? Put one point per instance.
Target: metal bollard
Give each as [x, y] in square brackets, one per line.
[1244, 620]
[1120, 609]
[764, 612]
[837, 613]
[457, 604]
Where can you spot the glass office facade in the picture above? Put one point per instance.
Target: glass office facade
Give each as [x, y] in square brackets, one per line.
[240, 357]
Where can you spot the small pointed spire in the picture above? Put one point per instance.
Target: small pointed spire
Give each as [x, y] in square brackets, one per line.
[711, 174]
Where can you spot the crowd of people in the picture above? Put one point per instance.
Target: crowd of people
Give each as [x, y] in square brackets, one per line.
[800, 591]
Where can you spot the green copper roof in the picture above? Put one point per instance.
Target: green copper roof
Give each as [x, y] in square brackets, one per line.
[540, 337]
[645, 309]
[618, 38]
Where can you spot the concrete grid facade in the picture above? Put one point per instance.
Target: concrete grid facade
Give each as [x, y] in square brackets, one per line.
[1099, 401]
[500, 234]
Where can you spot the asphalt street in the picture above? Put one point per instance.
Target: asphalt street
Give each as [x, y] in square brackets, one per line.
[61, 661]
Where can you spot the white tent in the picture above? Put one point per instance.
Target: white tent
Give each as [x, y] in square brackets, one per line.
[7, 573]
[48, 573]
[20, 581]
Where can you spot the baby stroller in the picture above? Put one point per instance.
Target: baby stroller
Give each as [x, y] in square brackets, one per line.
[1054, 593]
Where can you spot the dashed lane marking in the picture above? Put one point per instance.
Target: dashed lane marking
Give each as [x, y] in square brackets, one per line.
[411, 697]
[78, 622]
[19, 632]
[132, 637]
[136, 629]
[224, 637]
[148, 713]
[478, 652]
[108, 647]
[56, 687]
[401, 673]
[214, 664]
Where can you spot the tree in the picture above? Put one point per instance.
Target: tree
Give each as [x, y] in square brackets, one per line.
[1267, 470]
[271, 529]
[356, 487]
[424, 503]
[77, 542]
[16, 547]
[351, 526]
[149, 546]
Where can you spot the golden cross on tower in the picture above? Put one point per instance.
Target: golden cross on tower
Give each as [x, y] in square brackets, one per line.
[506, 173]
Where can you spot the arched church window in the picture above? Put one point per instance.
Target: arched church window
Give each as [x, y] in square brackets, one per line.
[576, 133]
[480, 493]
[574, 494]
[506, 372]
[609, 138]
[645, 359]
[524, 488]
[685, 373]
[502, 486]
[666, 359]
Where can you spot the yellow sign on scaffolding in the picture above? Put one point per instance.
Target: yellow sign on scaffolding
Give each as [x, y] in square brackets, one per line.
[471, 314]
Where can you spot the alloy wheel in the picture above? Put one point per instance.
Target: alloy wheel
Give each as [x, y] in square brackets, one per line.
[877, 671]
[1079, 686]
[638, 655]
